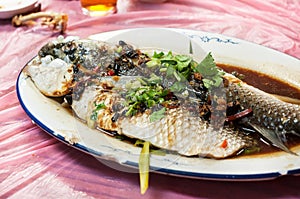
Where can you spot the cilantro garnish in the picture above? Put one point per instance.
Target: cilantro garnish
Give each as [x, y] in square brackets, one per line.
[181, 64]
[157, 115]
[208, 69]
[177, 87]
[173, 78]
[94, 114]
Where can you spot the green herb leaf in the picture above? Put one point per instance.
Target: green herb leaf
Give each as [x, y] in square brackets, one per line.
[154, 79]
[94, 115]
[177, 87]
[183, 58]
[99, 106]
[208, 69]
[157, 115]
[183, 62]
[208, 83]
[158, 55]
[168, 56]
[207, 66]
[170, 72]
[217, 81]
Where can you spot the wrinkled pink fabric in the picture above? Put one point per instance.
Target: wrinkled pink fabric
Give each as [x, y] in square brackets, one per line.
[35, 165]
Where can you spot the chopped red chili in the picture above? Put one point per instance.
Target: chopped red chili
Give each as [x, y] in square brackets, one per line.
[110, 73]
[224, 144]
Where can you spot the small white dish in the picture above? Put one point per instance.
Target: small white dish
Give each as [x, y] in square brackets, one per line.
[10, 8]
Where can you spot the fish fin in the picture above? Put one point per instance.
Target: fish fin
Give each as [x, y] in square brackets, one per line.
[272, 137]
[295, 133]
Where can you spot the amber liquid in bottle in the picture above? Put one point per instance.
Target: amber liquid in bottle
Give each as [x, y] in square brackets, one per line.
[98, 7]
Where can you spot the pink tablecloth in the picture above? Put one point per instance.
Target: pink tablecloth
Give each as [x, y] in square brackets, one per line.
[35, 165]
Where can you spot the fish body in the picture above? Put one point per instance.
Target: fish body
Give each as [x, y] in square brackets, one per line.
[272, 117]
[79, 69]
[268, 110]
[178, 131]
[188, 135]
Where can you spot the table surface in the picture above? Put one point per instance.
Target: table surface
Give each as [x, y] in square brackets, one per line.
[36, 165]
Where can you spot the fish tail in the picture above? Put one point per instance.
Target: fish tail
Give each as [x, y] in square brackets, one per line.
[270, 115]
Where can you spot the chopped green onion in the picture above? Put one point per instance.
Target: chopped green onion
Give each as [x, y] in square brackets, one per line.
[162, 69]
[119, 49]
[183, 58]
[139, 143]
[154, 79]
[144, 164]
[160, 152]
[251, 150]
[176, 76]
[94, 114]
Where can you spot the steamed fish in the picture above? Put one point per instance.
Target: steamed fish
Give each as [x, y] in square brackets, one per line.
[179, 130]
[169, 100]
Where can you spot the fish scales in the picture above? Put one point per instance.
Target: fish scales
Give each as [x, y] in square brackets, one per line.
[268, 111]
[188, 135]
[89, 54]
[177, 131]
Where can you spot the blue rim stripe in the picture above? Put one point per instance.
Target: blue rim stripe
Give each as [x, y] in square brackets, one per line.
[50, 131]
[210, 175]
[294, 172]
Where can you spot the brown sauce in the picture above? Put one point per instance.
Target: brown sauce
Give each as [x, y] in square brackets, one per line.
[273, 86]
[264, 82]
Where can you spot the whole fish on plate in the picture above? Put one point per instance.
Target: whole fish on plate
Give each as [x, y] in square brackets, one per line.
[169, 100]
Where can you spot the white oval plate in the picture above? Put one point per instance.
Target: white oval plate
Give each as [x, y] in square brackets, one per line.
[60, 123]
[10, 8]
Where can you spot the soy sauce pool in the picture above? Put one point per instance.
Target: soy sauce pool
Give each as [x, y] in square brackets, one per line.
[264, 82]
[270, 85]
